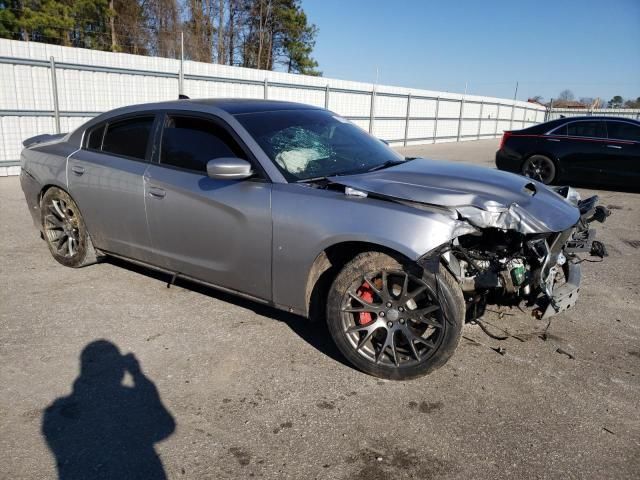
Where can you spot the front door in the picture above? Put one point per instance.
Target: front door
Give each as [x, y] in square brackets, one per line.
[621, 153]
[218, 231]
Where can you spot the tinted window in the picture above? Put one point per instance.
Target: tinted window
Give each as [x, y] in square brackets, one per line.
[593, 129]
[190, 142]
[94, 137]
[560, 130]
[623, 131]
[128, 137]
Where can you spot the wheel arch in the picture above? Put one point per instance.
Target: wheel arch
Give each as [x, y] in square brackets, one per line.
[560, 173]
[49, 186]
[328, 263]
[544, 153]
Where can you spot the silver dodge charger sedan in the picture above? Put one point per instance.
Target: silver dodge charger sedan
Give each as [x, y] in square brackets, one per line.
[298, 208]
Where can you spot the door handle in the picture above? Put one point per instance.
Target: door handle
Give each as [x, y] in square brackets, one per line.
[553, 139]
[617, 147]
[78, 170]
[157, 192]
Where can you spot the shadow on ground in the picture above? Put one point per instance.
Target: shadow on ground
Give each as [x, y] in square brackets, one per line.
[104, 429]
[314, 333]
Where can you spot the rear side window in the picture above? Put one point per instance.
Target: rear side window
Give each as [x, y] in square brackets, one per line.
[560, 130]
[623, 131]
[128, 137]
[94, 137]
[190, 142]
[593, 129]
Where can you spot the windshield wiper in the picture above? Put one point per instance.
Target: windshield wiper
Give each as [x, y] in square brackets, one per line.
[311, 180]
[387, 164]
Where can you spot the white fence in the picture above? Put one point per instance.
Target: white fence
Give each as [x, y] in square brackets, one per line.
[42, 85]
[555, 113]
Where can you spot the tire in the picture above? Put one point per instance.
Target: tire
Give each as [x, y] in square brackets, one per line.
[417, 334]
[64, 230]
[540, 168]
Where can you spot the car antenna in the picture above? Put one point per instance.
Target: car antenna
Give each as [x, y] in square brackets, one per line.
[182, 97]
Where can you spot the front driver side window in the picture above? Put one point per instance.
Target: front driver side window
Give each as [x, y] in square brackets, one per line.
[190, 142]
[623, 131]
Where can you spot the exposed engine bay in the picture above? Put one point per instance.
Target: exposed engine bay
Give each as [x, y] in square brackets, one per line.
[506, 267]
[512, 240]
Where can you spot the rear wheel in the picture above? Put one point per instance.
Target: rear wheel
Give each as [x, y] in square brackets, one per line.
[539, 168]
[65, 231]
[394, 321]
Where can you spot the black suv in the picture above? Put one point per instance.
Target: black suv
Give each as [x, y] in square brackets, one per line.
[577, 149]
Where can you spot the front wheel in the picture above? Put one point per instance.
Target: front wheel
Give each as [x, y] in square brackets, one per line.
[393, 320]
[539, 168]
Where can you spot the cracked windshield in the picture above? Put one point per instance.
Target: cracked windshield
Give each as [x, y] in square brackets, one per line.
[313, 144]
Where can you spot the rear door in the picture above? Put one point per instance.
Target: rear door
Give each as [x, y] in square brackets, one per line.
[583, 149]
[106, 180]
[218, 231]
[621, 152]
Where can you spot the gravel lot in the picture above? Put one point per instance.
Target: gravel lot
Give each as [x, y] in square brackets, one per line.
[254, 392]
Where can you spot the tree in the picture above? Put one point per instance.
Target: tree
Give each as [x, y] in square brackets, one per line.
[632, 103]
[130, 29]
[90, 24]
[264, 34]
[9, 25]
[537, 98]
[566, 95]
[587, 101]
[616, 102]
[199, 30]
[298, 42]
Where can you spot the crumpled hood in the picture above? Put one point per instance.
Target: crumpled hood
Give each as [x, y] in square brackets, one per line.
[483, 196]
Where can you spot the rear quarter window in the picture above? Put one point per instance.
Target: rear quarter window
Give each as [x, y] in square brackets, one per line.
[94, 138]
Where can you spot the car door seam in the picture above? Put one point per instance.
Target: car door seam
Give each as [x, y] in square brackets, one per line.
[66, 167]
[271, 266]
[146, 215]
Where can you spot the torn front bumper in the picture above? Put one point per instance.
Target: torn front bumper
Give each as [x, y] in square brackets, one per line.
[579, 239]
[566, 295]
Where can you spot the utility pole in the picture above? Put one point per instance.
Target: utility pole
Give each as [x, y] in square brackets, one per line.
[513, 106]
[460, 120]
[181, 76]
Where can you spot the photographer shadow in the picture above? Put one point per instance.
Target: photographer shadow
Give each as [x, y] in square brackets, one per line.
[104, 429]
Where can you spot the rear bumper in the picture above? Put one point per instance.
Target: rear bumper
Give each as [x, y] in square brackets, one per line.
[508, 162]
[31, 188]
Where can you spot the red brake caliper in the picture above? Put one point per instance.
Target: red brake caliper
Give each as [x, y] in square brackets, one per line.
[365, 292]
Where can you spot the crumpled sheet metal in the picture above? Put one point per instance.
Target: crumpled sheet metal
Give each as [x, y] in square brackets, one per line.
[513, 217]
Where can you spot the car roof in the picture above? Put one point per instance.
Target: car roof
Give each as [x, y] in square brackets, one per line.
[596, 117]
[235, 106]
[551, 124]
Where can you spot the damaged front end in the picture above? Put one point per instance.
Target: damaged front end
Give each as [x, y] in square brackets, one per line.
[515, 239]
[510, 259]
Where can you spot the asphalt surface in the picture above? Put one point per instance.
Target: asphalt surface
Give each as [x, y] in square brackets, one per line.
[243, 391]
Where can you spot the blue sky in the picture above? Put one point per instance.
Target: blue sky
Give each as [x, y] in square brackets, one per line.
[591, 47]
